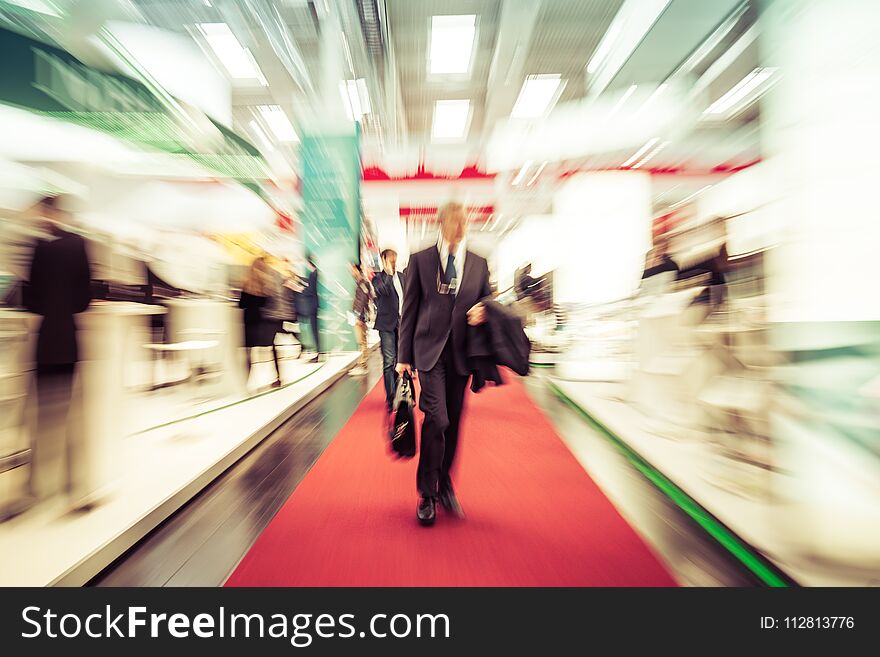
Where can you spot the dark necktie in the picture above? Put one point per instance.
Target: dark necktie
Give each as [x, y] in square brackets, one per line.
[450, 268]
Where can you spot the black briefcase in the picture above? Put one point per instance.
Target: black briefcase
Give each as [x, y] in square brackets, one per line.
[402, 428]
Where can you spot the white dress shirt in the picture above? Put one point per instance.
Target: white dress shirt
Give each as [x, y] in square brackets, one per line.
[443, 248]
[399, 289]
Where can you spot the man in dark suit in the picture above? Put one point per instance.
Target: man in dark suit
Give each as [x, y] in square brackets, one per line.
[389, 285]
[444, 286]
[59, 287]
[307, 303]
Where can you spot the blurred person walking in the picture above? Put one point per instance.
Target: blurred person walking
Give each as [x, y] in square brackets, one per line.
[256, 295]
[292, 286]
[308, 304]
[280, 313]
[445, 285]
[658, 260]
[59, 288]
[389, 285]
[363, 296]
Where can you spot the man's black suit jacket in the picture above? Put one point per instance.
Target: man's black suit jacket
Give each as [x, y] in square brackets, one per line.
[387, 301]
[59, 288]
[429, 317]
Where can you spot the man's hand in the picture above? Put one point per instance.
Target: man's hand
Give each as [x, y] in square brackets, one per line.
[476, 315]
[404, 367]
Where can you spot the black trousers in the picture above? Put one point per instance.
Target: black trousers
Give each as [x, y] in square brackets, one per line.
[442, 401]
[313, 326]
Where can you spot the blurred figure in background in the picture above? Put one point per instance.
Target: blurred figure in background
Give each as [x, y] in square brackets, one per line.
[389, 285]
[307, 304]
[524, 281]
[291, 287]
[710, 268]
[658, 260]
[256, 295]
[59, 287]
[363, 296]
[523, 288]
[280, 312]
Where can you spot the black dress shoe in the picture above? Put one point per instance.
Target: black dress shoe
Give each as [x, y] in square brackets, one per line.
[449, 502]
[426, 511]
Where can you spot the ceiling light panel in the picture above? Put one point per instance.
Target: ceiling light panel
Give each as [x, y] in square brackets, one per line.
[237, 60]
[537, 96]
[355, 98]
[261, 135]
[639, 153]
[744, 92]
[452, 44]
[451, 118]
[274, 117]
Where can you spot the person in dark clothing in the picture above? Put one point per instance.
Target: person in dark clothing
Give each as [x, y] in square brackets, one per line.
[659, 261]
[445, 284]
[524, 283]
[712, 267]
[360, 307]
[59, 288]
[389, 285]
[256, 294]
[308, 304]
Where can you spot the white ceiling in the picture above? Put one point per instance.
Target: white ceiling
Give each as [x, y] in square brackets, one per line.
[386, 41]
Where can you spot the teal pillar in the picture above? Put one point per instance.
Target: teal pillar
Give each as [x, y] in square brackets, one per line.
[331, 179]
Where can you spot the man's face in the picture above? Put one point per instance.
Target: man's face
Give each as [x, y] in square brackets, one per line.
[453, 227]
[391, 261]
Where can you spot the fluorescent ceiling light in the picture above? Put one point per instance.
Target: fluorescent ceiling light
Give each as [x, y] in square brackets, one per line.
[522, 173]
[713, 41]
[604, 48]
[450, 119]
[39, 6]
[537, 173]
[644, 149]
[355, 98]
[692, 196]
[537, 96]
[452, 44]
[650, 155]
[633, 21]
[237, 60]
[261, 135]
[743, 90]
[629, 92]
[278, 122]
[659, 90]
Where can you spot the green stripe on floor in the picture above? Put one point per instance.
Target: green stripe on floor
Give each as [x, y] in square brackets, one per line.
[748, 556]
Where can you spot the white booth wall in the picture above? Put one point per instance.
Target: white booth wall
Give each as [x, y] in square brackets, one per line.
[602, 230]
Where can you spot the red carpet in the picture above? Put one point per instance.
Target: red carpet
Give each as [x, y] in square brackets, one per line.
[534, 517]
